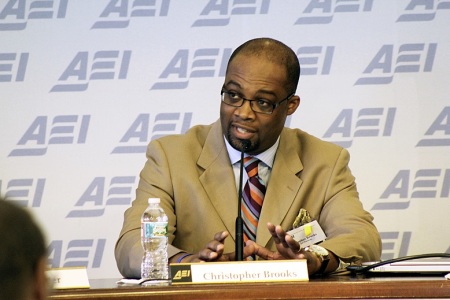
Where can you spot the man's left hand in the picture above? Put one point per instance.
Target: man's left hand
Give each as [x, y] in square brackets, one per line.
[287, 248]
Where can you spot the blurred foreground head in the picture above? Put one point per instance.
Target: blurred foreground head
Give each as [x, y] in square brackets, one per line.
[23, 257]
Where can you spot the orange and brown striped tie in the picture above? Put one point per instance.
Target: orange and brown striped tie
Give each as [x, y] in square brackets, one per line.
[253, 197]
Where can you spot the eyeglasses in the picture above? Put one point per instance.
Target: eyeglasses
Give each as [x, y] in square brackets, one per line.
[259, 105]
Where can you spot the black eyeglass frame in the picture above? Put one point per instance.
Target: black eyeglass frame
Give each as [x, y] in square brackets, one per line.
[252, 100]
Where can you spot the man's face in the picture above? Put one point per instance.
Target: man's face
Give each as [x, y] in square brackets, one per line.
[255, 78]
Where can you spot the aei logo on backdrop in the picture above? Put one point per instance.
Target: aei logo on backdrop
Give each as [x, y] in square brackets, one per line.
[367, 122]
[92, 202]
[423, 10]
[212, 62]
[78, 253]
[26, 192]
[16, 13]
[118, 13]
[201, 63]
[226, 9]
[100, 65]
[62, 130]
[409, 58]
[140, 132]
[322, 11]
[427, 184]
[395, 244]
[13, 66]
[440, 125]
[315, 60]
[424, 184]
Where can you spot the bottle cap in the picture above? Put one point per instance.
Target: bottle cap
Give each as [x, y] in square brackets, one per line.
[153, 200]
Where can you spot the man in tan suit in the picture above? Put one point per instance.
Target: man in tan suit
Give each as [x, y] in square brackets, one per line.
[196, 175]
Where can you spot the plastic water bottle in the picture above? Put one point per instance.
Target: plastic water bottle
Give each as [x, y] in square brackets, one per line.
[154, 236]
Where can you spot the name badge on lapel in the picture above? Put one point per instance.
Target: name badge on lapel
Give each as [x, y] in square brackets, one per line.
[306, 231]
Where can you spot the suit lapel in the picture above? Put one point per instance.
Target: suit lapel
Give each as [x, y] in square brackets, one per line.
[218, 179]
[282, 188]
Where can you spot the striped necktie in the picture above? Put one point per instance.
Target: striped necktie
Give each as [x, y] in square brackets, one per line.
[253, 197]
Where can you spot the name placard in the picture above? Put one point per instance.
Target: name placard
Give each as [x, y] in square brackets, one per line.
[235, 272]
[69, 278]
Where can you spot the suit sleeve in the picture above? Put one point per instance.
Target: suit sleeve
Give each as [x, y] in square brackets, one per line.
[155, 182]
[351, 233]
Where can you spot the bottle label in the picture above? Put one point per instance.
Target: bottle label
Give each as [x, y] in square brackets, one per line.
[155, 229]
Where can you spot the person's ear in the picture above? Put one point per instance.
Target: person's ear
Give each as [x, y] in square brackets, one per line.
[293, 104]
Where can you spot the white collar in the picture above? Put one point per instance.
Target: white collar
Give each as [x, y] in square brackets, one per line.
[267, 157]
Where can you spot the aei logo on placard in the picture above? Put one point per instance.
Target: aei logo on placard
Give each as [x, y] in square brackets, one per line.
[439, 132]
[14, 15]
[408, 185]
[395, 244]
[118, 13]
[13, 66]
[315, 60]
[76, 253]
[26, 192]
[100, 65]
[140, 132]
[367, 122]
[219, 12]
[408, 58]
[43, 132]
[186, 64]
[323, 11]
[92, 203]
[423, 10]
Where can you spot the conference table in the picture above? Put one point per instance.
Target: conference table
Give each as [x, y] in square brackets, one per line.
[331, 287]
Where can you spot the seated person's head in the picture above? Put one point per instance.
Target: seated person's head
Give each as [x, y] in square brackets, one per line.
[23, 257]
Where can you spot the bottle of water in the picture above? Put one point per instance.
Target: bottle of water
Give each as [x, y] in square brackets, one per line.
[154, 236]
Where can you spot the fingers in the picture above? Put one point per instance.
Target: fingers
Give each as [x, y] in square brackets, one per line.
[286, 245]
[253, 248]
[293, 244]
[221, 236]
[272, 231]
[214, 249]
[281, 234]
[281, 237]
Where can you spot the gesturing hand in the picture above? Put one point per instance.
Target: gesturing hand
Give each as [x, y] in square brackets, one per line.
[287, 248]
[213, 251]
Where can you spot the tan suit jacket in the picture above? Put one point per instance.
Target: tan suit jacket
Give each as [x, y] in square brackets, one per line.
[193, 176]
